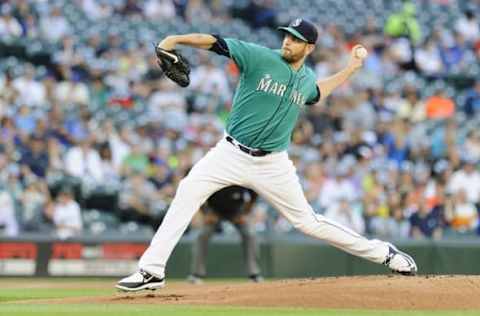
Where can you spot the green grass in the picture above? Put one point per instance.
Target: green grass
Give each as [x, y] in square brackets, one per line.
[12, 291]
[28, 289]
[124, 310]
[8, 295]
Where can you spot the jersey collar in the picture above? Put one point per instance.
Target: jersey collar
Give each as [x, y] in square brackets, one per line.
[279, 52]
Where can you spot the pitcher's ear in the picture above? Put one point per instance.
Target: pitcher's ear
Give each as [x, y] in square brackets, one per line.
[310, 48]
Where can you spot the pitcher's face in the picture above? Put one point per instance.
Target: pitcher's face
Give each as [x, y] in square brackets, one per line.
[294, 49]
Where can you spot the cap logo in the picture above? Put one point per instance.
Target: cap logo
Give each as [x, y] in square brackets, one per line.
[296, 22]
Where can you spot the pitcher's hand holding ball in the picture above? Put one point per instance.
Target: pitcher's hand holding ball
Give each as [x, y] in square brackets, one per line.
[357, 55]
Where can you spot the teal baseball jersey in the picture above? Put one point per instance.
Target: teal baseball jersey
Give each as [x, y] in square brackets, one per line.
[269, 96]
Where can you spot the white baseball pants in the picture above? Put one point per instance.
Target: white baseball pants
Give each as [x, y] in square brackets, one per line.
[274, 178]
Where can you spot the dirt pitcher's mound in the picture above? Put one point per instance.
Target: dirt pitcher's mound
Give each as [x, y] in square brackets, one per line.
[371, 292]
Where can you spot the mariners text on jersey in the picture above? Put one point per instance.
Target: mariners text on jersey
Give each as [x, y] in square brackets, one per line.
[268, 85]
[269, 96]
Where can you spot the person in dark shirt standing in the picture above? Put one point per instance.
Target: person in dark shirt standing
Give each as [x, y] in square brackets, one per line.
[427, 222]
[233, 204]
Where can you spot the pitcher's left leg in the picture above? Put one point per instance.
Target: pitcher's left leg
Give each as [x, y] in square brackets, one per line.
[278, 183]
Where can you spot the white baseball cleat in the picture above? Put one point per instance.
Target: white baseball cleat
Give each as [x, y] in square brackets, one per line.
[400, 262]
[140, 280]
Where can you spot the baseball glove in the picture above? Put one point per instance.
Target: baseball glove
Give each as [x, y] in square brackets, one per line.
[174, 65]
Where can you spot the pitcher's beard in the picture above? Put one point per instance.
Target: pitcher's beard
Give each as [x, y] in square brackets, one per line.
[289, 57]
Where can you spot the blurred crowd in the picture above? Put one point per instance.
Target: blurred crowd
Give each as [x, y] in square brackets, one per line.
[393, 153]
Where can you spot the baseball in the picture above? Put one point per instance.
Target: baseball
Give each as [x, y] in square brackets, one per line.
[361, 52]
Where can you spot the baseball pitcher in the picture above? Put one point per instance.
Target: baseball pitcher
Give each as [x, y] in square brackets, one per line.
[274, 85]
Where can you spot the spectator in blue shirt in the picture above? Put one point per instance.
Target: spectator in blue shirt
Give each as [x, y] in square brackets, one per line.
[36, 156]
[24, 120]
[452, 55]
[472, 102]
[398, 149]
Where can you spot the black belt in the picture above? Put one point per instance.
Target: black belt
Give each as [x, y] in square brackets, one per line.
[250, 151]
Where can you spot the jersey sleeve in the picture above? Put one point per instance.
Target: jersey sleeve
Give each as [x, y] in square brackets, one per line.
[220, 46]
[243, 53]
[314, 96]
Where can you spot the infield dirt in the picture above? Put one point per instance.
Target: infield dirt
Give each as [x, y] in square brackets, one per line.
[371, 292]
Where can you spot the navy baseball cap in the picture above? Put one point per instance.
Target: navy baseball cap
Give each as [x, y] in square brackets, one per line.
[302, 29]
